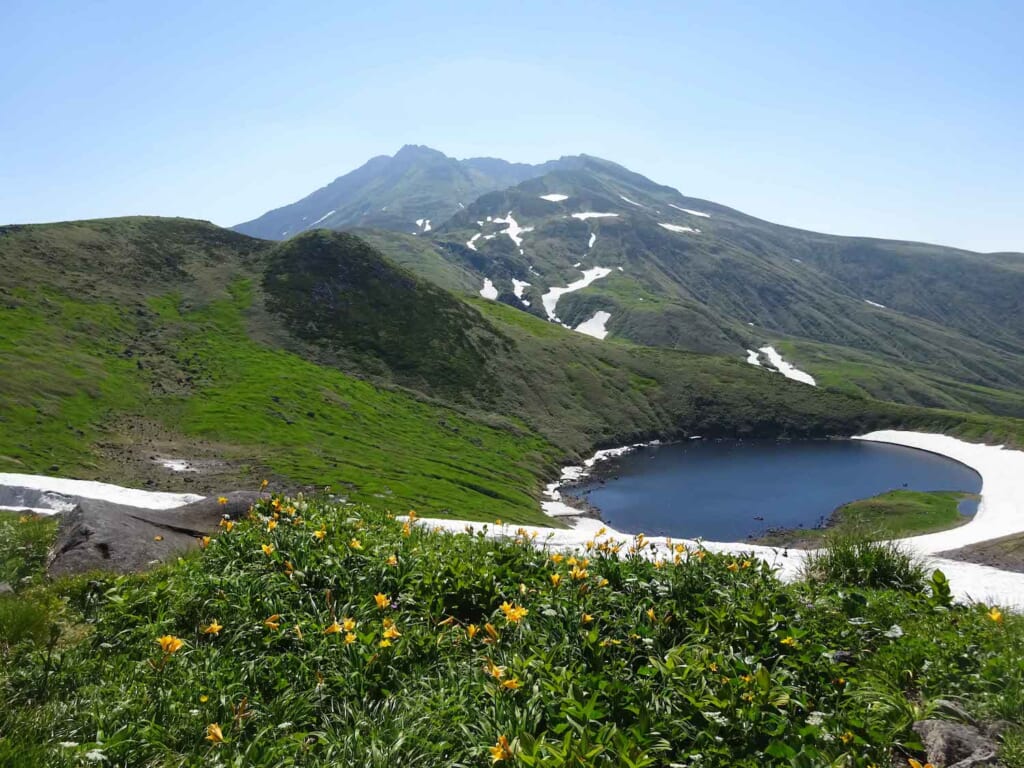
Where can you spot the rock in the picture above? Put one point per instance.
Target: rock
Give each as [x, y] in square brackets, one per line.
[955, 745]
[6, 589]
[100, 535]
[843, 657]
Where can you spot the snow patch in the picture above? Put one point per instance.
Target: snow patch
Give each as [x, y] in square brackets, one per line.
[595, 326]
[787, 370]
[550, 299]
[753, 357]
[90, 489]
[874, 303]
[514, 231]
[423, 224]
[518, 286]
[489, 291]
[176, 465]
[691, 212]
[329, 213]
[554, 198]
[469, 243]
[632, 202]
[593, 239]
[678, 228]
[593, 215]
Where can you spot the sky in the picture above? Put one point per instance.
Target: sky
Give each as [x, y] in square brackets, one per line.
[888, 119]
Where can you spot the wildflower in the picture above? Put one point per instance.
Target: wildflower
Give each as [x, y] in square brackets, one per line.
[214, 733]
[319, 535]
[650, 614]
[272, 622]
[297, 631]
[713, 666]
[393, 560]
[601, 532]
[572, 560]
[213, 628]
[288, 567]
[748, 696]
[227, 525]
[348, 624]
[513, 613]
[995, 614]
[557, 557]
[816, 718]
[586, 618]
[384, 643]
[392, 633]
[350, 637]
[917, 764]
[290, 510]
[790, 641]
[268, 549]
[494, 670]
[733, 567]
[498, 521]
[492, 633]
[355, 544]
[271, 525]
[471, 630]
[847, 737]
[511, 684]
[170, 644]
[406, 529]
[602, 582]
[203, 699]
[158, 538]
[578, 573]
[264, 484]
[276, 504]
[382, 600]
[680, 549]
[746, 564]
[412, 515]
[701, 554]
[501, 750]
[747, 678]
[333, 629]
[556, 579]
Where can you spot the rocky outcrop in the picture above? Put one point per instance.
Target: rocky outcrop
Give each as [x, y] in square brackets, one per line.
[100, 535]
[955, 745]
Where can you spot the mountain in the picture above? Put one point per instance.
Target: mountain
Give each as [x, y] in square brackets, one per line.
[413, 191]
[132, 345]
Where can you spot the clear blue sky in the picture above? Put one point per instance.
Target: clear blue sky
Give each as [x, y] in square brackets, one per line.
[894, 119]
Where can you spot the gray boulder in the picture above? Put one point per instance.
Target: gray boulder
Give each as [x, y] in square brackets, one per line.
[102, 536]
[955, 745]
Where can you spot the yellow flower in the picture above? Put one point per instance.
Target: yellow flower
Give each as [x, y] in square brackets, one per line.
[995, 614]
[556, 558]
[319, 535]
[602, 582]
[406, 529]
[746, 678]
[297, 631]
[392, 633]
[748, 696]
[713, 666]
[916, 764]
[384, 643]
[556, 579]
[350, 637]
[746, 564]
[213, 628]
[158, 538]
[288, 567]
[847, 737]
[471, 630]
[659, 563]
[601, 532]
[501, 750]
[205, 542]
[492, 633]
[680, 549]
[498, 521]
[214, 733]
[268, 549]
[733, 567]
[701, 554]
[348, 624]
[203, 699]
[650, 614]
[272, 622]
[393, 560]
[790, 641]
[586, 618]
[412, 515]
[355, 544]
[170, 644]
[222, 500]
[271, 525]
[382, 600]
[264, 484]
[276, 504]
[578, 573]
[227, 525]
[290, 510]
[513, 613]
[494, 670]
[333, 629]
[512, 683]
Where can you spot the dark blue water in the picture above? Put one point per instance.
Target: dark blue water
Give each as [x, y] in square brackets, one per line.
[715, 489]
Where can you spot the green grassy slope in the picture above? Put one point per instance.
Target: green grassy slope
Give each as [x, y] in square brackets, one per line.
[130, 340]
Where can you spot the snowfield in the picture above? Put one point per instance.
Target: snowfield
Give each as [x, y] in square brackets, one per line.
[593, 215]
[595, 325]
[554, 198]
[489, 291]
[874, 303]
[787, 370]
[593, 239]
[691, 212]
[329, 213]
[514, 231]
[472, 240]
[679, 228]
[632, 202]
[550, 299]
[753, 357]
[90, 489]
[518, 286]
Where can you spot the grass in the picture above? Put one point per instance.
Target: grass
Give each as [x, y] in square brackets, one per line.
[890, 515]
[494, 648]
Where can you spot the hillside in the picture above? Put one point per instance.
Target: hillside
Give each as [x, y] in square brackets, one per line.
[132, 342]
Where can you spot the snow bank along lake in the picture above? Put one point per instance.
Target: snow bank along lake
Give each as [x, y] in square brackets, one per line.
[727, 490]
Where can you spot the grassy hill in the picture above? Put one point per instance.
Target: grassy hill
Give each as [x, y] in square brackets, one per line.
[319, 362]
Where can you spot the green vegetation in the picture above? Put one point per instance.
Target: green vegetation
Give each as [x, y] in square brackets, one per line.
[316, 634]
[890, 515]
